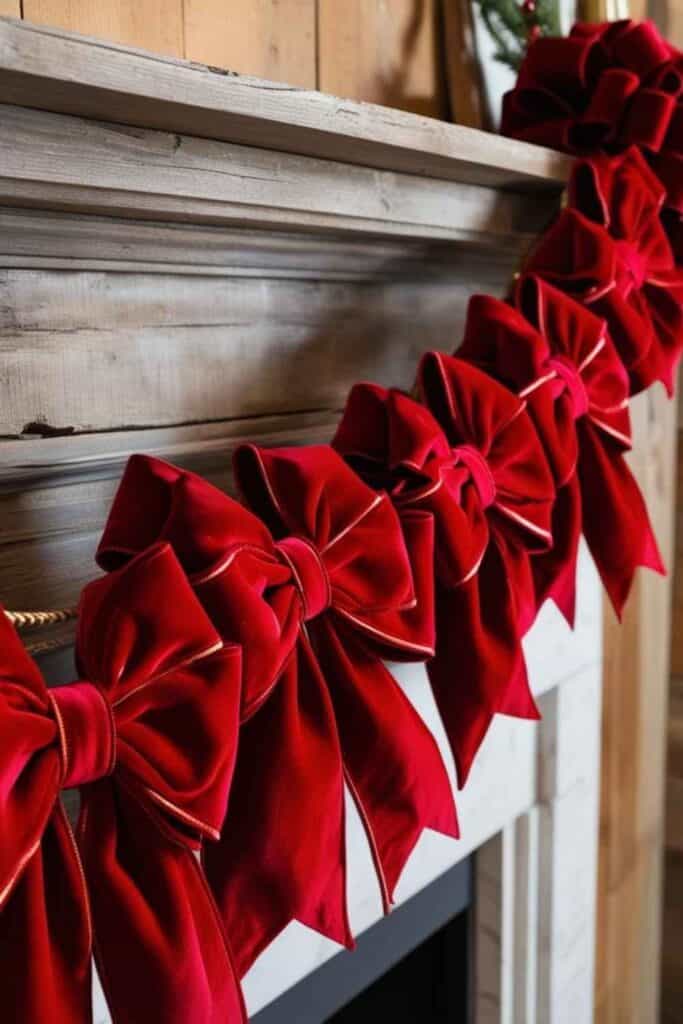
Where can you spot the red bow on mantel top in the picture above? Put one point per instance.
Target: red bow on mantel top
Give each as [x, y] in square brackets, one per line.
[559, 357]
[604, 87]
[148, 734]
[473, 460]
[609, 250]
[318, 588]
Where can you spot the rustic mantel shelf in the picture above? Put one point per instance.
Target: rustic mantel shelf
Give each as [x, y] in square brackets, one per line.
[189, 258]
[49, 70]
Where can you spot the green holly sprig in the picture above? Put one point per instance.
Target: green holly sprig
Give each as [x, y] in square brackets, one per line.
[513, 26]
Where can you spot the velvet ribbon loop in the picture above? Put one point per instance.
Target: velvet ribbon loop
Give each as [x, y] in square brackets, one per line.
[310, 575]
[575, 387]
[614, 84]
[472, 461]
[320, 556]
[481, 475]
[149, 739]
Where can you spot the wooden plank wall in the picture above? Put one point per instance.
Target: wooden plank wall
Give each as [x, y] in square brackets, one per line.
[635, 698]
[152, 24]
[672, 933]
[267, 38]
[371, 50]
[383, 52]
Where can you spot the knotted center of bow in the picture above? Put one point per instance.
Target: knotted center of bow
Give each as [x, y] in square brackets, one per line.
[571, 377]
[479, 471]
[87, 734]
[633, 270]
[310, 574]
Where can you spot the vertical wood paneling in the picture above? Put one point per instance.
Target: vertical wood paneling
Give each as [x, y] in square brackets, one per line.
[634, 729]
[463, 71]
[638, 9]
[667, 15]
[273, 39]
[677, 572]
[10, 8]
[383, 52]
[672, 931]
[676, 22]
[155, 25]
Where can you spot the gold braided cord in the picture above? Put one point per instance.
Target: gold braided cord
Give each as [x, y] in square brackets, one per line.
[37, 647]
[31, 620]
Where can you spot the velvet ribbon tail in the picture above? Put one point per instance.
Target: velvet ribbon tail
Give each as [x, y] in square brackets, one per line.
[479, 668]
[160, 947]
[620, 537]
[393, 765]
[281, 856]
[555, 571]
[45, 937]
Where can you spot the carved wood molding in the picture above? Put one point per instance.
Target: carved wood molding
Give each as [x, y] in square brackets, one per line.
[50, 239]
[58, 161]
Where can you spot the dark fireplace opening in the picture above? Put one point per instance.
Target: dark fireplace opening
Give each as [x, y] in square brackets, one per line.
[428, 986]
[412, 967]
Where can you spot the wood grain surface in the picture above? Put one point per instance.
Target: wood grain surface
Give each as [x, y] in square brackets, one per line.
[635, 700]
[151, 24]
[388, 53]
[111, 83]
[273, 39]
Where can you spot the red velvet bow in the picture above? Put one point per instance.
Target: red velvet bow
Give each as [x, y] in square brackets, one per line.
[606, 87]
[610, 251]
[560, 359]
[148, 734]
[317, 596]
[473, 460]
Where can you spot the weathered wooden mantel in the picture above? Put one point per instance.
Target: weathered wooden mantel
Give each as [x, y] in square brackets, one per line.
[189, 258]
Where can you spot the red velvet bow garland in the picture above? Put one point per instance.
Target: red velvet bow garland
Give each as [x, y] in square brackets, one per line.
[605, 87]
[317, 596]
[324, 585]
[473, 460]
[148, 734]
[560, 359]
[610, 251]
